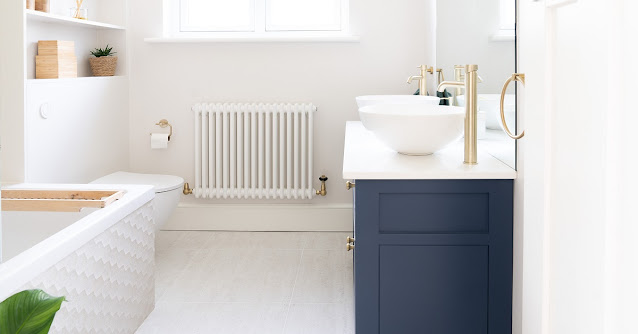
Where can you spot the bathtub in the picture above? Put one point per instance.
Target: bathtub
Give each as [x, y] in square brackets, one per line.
[101, 260]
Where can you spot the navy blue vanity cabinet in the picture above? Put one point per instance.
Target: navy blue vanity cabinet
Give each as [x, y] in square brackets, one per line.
[433, 256]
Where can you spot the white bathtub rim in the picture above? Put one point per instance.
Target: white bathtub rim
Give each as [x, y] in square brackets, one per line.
[29, 264]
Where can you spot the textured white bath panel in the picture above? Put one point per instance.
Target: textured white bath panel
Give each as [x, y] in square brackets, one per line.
[109, 282]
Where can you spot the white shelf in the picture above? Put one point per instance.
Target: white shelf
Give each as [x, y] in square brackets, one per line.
[36, 16]
[78, 79]
[258, 38]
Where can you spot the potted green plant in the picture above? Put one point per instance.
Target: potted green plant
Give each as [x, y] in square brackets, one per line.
[29, 312]
[103, 63]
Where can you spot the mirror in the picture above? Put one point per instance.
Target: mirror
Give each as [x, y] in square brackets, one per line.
[481, 32]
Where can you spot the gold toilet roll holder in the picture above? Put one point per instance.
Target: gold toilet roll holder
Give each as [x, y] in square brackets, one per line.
[163, 123]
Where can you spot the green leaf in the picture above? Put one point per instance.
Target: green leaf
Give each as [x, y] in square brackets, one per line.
[106, 52]
[28, 312]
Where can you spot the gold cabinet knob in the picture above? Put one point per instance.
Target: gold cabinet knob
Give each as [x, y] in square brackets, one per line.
[349, 185]
[349, 243]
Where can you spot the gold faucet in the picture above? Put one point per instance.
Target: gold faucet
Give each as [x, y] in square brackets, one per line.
[423, 82]
[459, 75]
[471, 110]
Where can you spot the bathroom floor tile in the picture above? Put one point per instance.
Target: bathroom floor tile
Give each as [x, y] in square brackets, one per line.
[215, 318]
[320, 319]
[194, 240]
[165, 240]
[169, 265]
[258, 240]
[326, 240]
[321, 278]
[349, 271]
[237, 275]
[252, 282]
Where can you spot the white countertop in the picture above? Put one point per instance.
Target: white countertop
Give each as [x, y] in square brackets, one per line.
[366, 158]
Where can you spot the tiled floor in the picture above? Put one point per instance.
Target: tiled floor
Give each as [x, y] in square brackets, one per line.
[252, 282]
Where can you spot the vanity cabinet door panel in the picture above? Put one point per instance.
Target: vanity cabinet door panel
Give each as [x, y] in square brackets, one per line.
[433, 289]
[434, 211]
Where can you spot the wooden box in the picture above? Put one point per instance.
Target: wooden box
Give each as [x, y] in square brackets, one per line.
[43, 5]
[55, 60]
[56, 48]
[56, 67]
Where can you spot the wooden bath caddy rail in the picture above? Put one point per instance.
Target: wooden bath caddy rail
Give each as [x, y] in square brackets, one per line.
[57, 200]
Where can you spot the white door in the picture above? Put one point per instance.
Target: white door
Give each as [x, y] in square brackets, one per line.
[576, 239]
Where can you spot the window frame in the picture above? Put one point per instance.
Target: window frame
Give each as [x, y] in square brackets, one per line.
[173, 28]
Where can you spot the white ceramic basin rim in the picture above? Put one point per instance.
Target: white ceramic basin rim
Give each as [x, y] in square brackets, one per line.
[369, 100]
[414, 129]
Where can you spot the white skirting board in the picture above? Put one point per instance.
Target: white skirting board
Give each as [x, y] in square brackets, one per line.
[246, 217]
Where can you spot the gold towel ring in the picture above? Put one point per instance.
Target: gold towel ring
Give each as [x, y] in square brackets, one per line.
[520, 77]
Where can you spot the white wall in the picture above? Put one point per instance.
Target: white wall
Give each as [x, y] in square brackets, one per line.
[86, 133]
[622, 179]
[579, 245]
[167, 78]
[11, 95]
[464, 31]
[107, 11]
[12, 73]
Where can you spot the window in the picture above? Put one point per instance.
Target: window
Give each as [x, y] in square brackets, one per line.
[287, 15]
[264, 17]
[507, 22]
[216, 15]
[508, 14]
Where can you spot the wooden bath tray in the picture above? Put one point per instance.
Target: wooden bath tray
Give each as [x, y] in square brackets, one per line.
[57, 200]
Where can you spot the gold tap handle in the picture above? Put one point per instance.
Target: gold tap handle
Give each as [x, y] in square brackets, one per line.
[441, 76]
[426, 68]
[520, 77]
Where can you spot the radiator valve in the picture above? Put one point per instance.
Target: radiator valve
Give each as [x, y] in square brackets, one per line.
[323, 191]
[187, 189]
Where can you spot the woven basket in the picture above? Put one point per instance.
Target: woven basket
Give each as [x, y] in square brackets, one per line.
[103, 66]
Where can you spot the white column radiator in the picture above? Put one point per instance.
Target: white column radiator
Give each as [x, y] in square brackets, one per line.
[254, 150]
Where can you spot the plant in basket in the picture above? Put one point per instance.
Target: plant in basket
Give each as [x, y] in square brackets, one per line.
[103, 63]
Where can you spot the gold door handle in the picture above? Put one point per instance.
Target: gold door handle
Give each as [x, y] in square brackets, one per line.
[350, 185]
[520, 77]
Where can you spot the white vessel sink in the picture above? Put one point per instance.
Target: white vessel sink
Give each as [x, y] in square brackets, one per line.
[369, 100]
[414, 129]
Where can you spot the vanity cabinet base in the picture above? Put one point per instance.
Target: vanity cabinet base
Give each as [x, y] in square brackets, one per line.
[433, 256]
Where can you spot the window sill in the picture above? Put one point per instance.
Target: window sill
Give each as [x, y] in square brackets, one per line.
[254, 38]
[504, 35]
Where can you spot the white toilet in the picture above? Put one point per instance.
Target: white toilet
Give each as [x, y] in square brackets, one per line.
[167, 191]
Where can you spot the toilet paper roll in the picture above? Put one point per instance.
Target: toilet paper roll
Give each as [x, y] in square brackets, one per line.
[159, 141]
